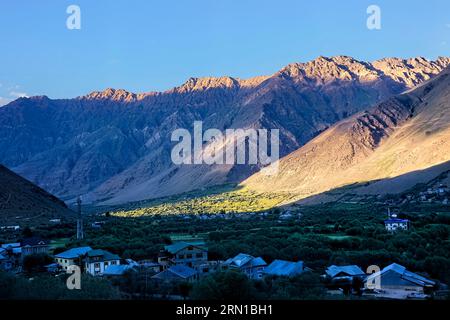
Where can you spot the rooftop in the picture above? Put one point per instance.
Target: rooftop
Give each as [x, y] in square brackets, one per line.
[73, 253]
[34, 241]
[178, 271]
[243, 259]
[106, 255]
[350, 270]
[117, 270]
[284, 268]
[405, 274]
[174, 248]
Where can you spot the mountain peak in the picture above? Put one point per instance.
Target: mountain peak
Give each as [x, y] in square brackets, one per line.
[112, 94]
[204, 83]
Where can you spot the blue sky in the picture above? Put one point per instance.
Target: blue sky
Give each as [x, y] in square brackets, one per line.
[155, 45]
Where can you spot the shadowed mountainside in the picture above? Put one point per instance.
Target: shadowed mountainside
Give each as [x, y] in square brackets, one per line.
[21, 200]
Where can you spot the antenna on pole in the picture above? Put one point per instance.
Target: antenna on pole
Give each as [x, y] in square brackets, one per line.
[80, 232]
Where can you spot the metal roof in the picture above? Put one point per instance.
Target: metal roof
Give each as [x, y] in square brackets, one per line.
[103, 253]
[284, 268]
[404, 274]
[174, 248]
[243, 259]
[178, 271]
[395, 220]
[73, 253]
[117, 270]
[351, 270]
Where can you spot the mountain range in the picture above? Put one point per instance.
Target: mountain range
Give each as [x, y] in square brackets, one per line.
[114, 146]
[387, 149]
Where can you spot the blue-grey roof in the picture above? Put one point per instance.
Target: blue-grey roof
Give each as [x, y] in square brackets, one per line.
[284, 268]
[117, 270]
[2, 257]
[395, 220]
[174, 272]
[174, 248]
[10, 245]
[351, 270]
[73, 253]
[105, 255]
[404, 274]
[243, 259]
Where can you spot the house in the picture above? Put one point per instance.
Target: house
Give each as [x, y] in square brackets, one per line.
[34, 245]
[251, 266]
[193, 255]
[395, 224]
[177, 273]
[282, 268]
[442, 189]
[344, 273]
[396, 282]
[71, 257]
[96, 261]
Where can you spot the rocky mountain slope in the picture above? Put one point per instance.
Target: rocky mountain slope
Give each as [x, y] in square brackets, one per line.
[114, 146]
[388, 149]
[22, 201]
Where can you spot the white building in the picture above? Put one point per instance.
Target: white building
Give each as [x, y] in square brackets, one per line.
[96, 261]
[395, 224]
[71, 257]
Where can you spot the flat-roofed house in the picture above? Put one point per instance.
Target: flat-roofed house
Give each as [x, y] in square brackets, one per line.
[96, 261]
[71, 257]
[251, 266]
[394, 281]
[282, 268]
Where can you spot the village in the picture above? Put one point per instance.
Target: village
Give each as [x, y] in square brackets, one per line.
[187, 262]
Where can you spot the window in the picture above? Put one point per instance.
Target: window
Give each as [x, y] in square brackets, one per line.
[189, 256]
[97, 265]
[113, 262]
[199, 255]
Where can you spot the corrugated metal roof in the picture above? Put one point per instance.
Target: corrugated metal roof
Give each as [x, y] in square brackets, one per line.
[351, 270]
[117, 270]
[174, 248]
[284, 268]
[178, 271]
[105, 254]
[403, 273]
[73, 253]
[243, 259]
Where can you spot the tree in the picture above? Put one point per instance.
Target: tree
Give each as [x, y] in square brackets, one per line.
[229, 285]
[36, 262]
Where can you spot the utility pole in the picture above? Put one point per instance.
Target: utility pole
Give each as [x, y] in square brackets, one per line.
[80, 232]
